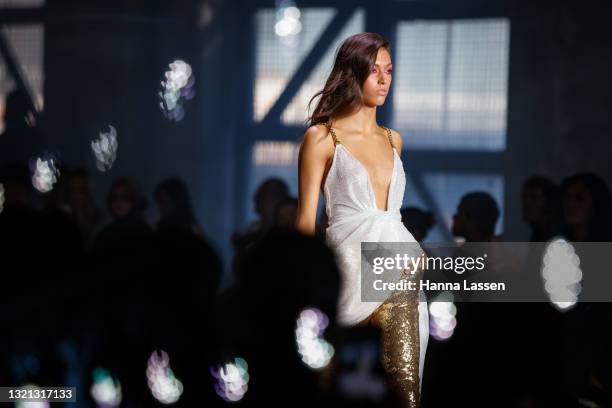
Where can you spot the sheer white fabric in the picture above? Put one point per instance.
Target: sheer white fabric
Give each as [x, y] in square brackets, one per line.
[353, 217]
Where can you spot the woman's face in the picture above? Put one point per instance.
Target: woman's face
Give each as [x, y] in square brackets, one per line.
[377, 84]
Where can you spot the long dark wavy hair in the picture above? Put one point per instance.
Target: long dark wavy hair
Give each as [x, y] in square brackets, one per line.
[342, 93]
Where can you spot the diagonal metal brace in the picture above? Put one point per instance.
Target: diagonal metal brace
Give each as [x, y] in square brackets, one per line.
[15, 71]
[309, 63]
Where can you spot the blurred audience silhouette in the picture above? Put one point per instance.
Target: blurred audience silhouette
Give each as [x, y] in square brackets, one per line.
[116, 291]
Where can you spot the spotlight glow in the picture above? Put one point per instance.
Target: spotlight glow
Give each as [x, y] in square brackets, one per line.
[316, 352]
[164, 386]
[105, 149]
[232, 379]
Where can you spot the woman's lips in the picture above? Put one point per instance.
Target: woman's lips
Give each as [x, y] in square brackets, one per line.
[382, 92]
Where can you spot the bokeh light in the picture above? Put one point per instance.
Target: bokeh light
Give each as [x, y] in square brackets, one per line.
[31, 404]
[44, 173]
[105, 390]
[205, 15]
[105, 149]
[316, 352]
[288, 24]
[442, 311]
[176, 89]
[561, 273]
[232, 379]
[164, 385]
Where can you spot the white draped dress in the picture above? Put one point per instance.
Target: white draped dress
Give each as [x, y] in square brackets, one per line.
[353, 217]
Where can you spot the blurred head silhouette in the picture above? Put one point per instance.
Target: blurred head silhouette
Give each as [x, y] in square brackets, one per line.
[125, 199]
[268, 195]
[18, 188]
[587, 207]
[476, 217]
[286, 213]
[539, 198]
[541, 206]
[17, 115]
[174, 203]
[417, 221]
[79, 190]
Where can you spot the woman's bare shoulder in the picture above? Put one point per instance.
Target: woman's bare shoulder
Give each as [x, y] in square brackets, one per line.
[397, 139]
[316, 133]
[317, 140]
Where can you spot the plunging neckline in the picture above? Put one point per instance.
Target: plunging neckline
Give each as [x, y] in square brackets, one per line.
[371, 185]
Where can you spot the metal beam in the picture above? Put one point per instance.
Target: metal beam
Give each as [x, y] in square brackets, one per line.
[309, 63]
[14, 69]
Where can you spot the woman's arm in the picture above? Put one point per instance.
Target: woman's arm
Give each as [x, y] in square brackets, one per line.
[315, 151]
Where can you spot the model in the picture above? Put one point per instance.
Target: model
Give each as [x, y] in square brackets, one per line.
[357, 164]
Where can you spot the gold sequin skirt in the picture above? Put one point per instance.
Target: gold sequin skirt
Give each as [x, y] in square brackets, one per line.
[398, 320]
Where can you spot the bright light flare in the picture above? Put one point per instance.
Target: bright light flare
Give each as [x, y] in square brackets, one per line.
[287, 20]
[442, 313]
[45, 173]
[232, 379]
[561, 273]
[177, 87]
[106, 389]
[164, 385]
[316, 352]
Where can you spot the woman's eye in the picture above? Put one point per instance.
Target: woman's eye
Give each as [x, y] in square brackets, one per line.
[374, 70]
[390, 71]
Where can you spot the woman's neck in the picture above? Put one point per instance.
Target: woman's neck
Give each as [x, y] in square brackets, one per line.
[361, 121]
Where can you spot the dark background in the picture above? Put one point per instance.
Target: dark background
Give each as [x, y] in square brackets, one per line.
[103, 62]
